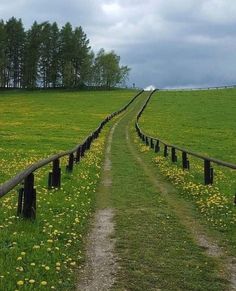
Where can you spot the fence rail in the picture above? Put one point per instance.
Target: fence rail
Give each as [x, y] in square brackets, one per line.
[27, 194]
[155, 142]
[200, 89]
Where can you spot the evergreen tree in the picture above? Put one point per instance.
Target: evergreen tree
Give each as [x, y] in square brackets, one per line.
[15, 39]
[32, 55]
[66, 56]
[54, 56]
[45, 56]
[2, 55]
[83, 58]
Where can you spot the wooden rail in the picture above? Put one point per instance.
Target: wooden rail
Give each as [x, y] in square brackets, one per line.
[27, 194]
[200, 89]
[155, 142]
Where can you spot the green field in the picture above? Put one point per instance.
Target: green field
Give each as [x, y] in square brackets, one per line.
[34, 125]
[159, 209]
[47, 253]
[202, 121]
[199, 121]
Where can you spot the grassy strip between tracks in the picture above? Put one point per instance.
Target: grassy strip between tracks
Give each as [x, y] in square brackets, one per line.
[155, 250]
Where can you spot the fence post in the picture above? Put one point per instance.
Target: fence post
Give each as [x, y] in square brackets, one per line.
[78, 152]
[173, 155]
[208, 172]
[165, 151]
[82, 150]
[151, 144]
[54, 178]
[146, 140]
[29, 198]
[185, 161]
[69, 167]
[20, 201]
[157, 147]
[88, 143]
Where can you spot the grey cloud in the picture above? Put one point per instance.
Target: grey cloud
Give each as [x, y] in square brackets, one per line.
[166, 43]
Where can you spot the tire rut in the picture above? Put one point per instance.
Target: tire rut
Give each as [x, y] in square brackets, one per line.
[101, 263]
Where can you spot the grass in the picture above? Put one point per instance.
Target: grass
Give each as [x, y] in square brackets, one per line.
[155, 250]
[203, 121]
[46, 254]
[34, 125]
[209, 114]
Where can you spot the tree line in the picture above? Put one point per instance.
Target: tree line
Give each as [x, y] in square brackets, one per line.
[50, 57]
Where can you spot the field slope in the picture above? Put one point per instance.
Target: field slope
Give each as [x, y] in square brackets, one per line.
[36, 124]
[203, 121]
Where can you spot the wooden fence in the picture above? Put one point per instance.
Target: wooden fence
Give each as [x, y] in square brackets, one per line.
[27, 193]
[155, 144]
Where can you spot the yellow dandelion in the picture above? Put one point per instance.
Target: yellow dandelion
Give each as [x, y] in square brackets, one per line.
[20, 283]
[31, 281]
[36, 247]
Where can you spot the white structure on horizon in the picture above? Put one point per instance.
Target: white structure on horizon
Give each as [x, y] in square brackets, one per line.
[150, 88]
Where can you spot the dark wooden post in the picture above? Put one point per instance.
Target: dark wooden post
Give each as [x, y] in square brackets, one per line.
[185, 161]
[143, 137]
[165, 151]
[157, 146]
[173, 155]
[69, 167]
[88, 143]
[54, 178]
[20, 201]
[78, 152]
[151, 143]
[139, 133]
[29, 198]
[208, 172]
[146, 140]
[82, 150]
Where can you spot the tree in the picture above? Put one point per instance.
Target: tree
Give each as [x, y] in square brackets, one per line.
[54, 56]
[107, 70]
[49, 62]
[82, 60]
[45, 56]
[2, 55]
[32, 55]
[76, 59]
[14, 51]
[66, 55]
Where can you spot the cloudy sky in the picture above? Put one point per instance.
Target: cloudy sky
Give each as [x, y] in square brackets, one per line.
[167, 43]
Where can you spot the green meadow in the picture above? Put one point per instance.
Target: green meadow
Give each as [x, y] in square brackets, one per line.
[47, 253]
[203, 121]
[37, 124]
[158, 206]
